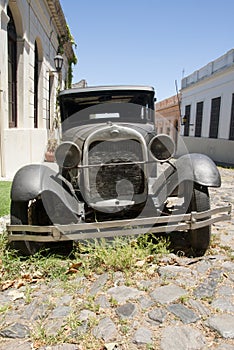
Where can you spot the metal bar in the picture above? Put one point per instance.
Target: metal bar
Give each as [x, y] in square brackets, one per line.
[30, 228]
[124, 223]
[114, 164]
[36, 238]
[75, 231]
[215, 211]
[99, 234]
[106, 224]
[199, 224]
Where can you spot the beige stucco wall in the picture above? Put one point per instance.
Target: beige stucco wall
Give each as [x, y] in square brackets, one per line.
[23, 146]
[34, 22]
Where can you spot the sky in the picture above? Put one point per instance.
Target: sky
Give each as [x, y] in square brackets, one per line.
[147, 42]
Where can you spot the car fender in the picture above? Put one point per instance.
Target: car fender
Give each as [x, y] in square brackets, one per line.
[194, 167]
[36, 180]
[198, 168]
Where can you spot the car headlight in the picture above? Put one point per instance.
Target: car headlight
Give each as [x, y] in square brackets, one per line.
[68, 155]
[162, 147]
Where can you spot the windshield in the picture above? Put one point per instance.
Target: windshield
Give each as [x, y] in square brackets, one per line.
[133, 106]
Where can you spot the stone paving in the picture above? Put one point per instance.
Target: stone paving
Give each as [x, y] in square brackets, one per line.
[186, 304]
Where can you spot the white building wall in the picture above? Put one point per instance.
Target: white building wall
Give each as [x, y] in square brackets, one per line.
[220, 150]
[216, 79]
[26, 144]
[3, 84]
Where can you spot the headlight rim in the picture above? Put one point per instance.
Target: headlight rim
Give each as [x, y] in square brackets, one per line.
[168, 139]
[62, 163]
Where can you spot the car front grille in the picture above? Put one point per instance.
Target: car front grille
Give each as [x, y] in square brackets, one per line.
[120, 180]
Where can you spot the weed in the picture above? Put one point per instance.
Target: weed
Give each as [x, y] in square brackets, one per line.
[93, 322]
[124, 326]
[113, 302]
[153, 245]
[97, 256]
[73, 321]
[41, 337]
[124, 329]
[121, 254]
[27, 294]
[30, 269]
[91, 305]
[184, 298]
[4, 308]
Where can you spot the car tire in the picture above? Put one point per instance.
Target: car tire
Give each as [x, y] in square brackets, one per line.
[199, 238]
[20, 216]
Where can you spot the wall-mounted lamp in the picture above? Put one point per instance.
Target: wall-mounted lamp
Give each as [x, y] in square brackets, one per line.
[184, 120]
[58, 62]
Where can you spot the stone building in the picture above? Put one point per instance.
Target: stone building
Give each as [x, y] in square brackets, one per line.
[32, 33]
[208, 110]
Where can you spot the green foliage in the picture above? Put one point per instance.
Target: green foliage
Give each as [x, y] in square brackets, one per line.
[154, 245]
[36, 267]
[63, 40]
[120, 254]
[97, 256]
[5, 187]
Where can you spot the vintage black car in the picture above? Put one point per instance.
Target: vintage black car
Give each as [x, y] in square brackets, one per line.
[109, 180]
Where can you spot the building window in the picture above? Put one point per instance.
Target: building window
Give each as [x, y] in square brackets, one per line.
[187, 120]
[36, 79]
[199, 113]
[214, 117]
[231, 133]
[50, 109]
[12, 71]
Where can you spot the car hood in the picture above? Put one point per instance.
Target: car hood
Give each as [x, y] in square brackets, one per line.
[80, 133]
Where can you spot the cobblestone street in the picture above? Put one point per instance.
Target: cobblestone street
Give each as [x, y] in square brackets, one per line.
[186, 304]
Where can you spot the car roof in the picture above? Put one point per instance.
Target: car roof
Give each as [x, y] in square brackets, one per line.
[108, 88]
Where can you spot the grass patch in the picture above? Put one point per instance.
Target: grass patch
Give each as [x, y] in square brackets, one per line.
[98, 256]
[16, 270]
[5, 188]
[121, 254]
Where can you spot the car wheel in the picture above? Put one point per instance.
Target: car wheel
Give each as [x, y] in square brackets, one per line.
[199, 238]
[24, 213]
[19, 216]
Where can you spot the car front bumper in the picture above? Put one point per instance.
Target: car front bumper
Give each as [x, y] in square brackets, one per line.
[107, 229]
